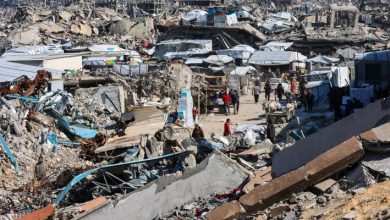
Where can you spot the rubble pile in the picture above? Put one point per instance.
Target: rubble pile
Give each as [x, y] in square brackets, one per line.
[83, 24]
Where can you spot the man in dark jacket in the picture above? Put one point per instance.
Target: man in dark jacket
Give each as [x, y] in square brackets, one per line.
[279, 91]
[267, 90]
[234, 99]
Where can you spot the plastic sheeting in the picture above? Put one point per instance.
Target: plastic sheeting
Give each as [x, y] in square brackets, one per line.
[340, 77]
[218, 60]
[320, 90]
[198, 15]
[256, 128]
[9, 153]
[239, 70]
[210, 144]
[323, 60]
[231, 19]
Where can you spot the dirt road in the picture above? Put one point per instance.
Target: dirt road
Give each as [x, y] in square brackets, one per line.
[248, 114]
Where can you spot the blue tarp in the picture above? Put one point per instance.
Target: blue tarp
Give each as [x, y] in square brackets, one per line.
[9, 153]
[75, 129]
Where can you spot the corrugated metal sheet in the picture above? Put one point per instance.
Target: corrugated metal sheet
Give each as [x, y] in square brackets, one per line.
[271, 57]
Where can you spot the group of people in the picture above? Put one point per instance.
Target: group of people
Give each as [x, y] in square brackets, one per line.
[279, 91]
[198, 133]
[231, 99]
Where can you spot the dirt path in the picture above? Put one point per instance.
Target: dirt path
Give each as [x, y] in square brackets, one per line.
[248, 114]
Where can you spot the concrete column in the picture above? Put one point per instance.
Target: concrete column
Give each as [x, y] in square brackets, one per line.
[355, 25]
[332, 18]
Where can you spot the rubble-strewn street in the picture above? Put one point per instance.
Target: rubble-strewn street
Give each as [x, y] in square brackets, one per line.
[119, 109]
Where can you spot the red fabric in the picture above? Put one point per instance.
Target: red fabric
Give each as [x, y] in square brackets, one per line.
[226, 99]
[195, 112]
[226, 131]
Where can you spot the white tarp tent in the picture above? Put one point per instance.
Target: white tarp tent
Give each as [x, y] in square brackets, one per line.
[198, 15]
[218, 60]
[275, 58]
[238, 70]
[340, 77]
[324, 60]
[276, 46]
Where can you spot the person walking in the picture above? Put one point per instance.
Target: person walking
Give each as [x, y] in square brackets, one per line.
[294, 85]
[256, 93]
[238, 100]
[234, 98]
[195, 114]
[310, 101]
[270, 131]
[226, 128]
[302, 91]
[280, 91]
[226, 102]
[267, 90]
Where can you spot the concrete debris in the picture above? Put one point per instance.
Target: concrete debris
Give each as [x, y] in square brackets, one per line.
[324, 185]
[216, 174]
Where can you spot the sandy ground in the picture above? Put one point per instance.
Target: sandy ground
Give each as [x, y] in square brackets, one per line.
[374, 203]
[248, 114]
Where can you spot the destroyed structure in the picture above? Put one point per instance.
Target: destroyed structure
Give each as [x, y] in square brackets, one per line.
[117, 109]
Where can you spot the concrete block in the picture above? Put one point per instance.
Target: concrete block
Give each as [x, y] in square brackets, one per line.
[325, 139]
[261, 177]
[215, 174]
[225, 211]
[325, 185]
[325, 165]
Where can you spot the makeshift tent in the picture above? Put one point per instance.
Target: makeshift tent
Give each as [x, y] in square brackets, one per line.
[218, 60]
[323, 59]
[320, 90]
[276, 46]
[238, 70]
[275, 58]
[347, 53]
[239, 51]
[197, 15]
[340, 77]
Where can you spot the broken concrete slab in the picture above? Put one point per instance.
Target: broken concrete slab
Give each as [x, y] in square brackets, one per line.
[82, 29]
[261, 177]
[325, 185]
[216, 174]
[279, 209]
[377, 162]
[28, 36]
[225, 211]
[359, 177]
[377, 139]
[65, 15]
[325, 139]
[377, 134]
[50, 27]
[327, 164]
